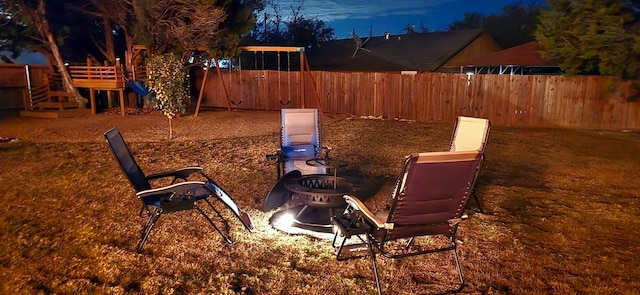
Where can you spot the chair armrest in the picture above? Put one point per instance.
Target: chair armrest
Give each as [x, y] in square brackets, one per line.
[277, 157]
[178, 188]
[182, 173]
[364, 212]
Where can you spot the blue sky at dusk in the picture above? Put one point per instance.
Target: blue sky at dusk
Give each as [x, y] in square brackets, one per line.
[391, 15]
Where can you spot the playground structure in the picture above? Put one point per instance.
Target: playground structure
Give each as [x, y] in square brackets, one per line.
[100, 78]
[273, 75]
[39, 92]
[44, 95]
[269, 71]
[49, 94]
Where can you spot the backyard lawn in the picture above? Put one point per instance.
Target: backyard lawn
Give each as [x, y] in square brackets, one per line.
[561, 210]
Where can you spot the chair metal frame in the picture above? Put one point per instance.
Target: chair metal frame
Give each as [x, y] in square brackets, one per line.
[375, 229]
[180, 195]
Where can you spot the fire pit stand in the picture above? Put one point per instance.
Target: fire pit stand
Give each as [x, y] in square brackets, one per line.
[319, 195]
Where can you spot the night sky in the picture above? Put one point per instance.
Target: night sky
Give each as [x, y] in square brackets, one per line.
[391, 15]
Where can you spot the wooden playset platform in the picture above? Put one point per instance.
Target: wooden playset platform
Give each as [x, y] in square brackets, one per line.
[44, 98]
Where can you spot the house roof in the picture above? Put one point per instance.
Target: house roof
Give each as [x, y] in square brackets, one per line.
[521, 55]
[410, 52]
[25, 57]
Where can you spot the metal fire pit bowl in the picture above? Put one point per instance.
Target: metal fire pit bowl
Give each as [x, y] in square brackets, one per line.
[320, 190]
[319, 197]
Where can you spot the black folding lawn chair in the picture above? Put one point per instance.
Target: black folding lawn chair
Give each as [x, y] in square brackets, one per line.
[180, 195]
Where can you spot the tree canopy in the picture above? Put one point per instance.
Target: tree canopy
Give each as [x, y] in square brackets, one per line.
[20, 31]
[513, 26]
[72, 30]
[592, 36]
[298, 29]
[104, 29]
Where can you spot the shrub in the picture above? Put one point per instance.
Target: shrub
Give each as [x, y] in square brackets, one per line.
[167, 81]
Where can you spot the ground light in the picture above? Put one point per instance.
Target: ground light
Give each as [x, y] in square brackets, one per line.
[315, 198]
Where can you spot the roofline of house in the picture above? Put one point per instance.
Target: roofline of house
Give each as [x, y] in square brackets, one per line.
[454, 53]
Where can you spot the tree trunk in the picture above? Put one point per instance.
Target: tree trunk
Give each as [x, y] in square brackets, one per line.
[39, 18]
[108, 36]
[129, 60]
[108, 48]
[67, 82]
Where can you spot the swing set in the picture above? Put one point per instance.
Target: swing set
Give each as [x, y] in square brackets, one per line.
[259, 55]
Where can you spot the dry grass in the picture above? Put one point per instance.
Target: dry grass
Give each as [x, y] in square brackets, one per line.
[562, 210]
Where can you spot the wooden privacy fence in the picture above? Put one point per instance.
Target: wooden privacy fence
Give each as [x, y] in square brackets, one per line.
[520, 100]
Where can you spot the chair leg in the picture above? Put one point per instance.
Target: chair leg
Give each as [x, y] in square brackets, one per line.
[279, 168]
[302, 211]
[372, 253]
[455, 254]
[475, 197]
[151, 222]
[227, 228]
[225, 237]
[409, 244]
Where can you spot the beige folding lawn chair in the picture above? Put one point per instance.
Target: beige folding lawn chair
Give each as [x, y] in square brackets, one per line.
[428, 200]
[471, 134]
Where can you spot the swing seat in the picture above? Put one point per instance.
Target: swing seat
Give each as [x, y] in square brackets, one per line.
[138, 87]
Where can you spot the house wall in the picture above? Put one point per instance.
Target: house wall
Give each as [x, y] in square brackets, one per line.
[516, 100]
[479, 47]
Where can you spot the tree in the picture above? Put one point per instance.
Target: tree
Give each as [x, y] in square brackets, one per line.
[177, 25]
[171, 30]
[304, 31]
[513, 26]
[471, 20]
[103, 14]
[270, 28]
[422, 28]
[410, 28]
[167, 84]
[236, 27]
[297, 30]
[29, 23]
[591, 37]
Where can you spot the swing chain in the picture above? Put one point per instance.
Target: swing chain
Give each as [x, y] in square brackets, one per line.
[288, 77]
[240, 77]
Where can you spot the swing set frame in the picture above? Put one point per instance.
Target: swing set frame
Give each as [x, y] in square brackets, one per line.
[304, 64]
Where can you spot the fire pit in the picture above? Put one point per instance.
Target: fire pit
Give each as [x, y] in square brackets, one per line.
[319, 195]
[319, 190]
